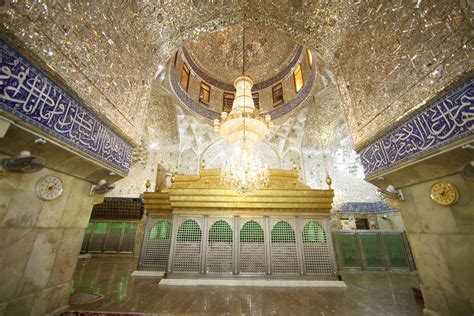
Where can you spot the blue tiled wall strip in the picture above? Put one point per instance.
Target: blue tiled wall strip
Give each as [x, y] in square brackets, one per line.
[366, 207]
[29, 95]
[442, 122]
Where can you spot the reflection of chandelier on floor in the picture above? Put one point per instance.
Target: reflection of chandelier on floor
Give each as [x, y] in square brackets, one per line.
[243, 127]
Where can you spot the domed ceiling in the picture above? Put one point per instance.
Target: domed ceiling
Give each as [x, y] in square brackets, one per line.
[219, 54]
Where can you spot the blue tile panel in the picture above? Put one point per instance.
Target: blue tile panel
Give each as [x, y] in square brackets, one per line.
[444, 121]
[366, 207]
[26, 93]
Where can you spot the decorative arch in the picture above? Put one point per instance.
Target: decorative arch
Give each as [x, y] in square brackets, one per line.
[252, 232]
[313, 233]
[283, 248]
[282, 232]
[160, 231]
[189, 231]
[220, 231]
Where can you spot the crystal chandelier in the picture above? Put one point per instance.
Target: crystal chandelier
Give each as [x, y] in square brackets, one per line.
[243, 123]
[244, 172]
[243, 127]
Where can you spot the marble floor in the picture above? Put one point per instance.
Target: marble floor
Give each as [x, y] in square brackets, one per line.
[367, 293]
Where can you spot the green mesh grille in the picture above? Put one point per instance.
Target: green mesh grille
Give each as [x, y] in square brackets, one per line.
[283, 248]
[313, 232]
[371, 250]
[157, 245]
[220, 232]
[161, 231]
[220, 248]
[252, 248]
[395, 250]
[283, 233]
[347, 243]
[189, 231]
[187, 252]
[251, 232]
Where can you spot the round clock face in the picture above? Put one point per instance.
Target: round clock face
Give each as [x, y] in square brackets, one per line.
[444, 193]
[49, 187]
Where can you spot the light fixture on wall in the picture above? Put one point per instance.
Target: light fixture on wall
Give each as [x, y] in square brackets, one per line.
[391, 192]
[101, 188]
[23, 163]
[243, 127]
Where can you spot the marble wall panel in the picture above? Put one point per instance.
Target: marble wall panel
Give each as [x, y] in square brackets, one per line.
[74, 202]
[455, 247]
[24, 207]
[49, 299]
[41, 261]
[52, 211]
[431, 262]
[16, 252]
[66, 261]
[411, 219]
[8, 185]
[441, 239]
[432, 217]
[20, 306]
[40, 243]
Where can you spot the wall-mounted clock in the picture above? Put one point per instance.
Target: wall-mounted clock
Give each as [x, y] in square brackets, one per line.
[49, 188]
[444, 193]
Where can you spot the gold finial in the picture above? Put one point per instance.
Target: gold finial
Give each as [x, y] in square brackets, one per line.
[173, 176]
[328, 181]
[147, 185]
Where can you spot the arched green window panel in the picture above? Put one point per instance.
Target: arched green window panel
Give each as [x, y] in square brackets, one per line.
[282, 232]
[189, 231]
[251, 232]
[220, 232]
[313, 232]
[161, 231]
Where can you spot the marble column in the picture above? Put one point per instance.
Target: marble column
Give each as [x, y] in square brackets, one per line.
[441, 237]
[39, 242]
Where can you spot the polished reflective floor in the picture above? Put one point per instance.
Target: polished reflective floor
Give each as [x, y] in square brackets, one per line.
[368, 293]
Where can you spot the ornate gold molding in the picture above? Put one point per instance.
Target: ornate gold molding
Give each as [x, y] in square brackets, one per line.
[285, 193]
